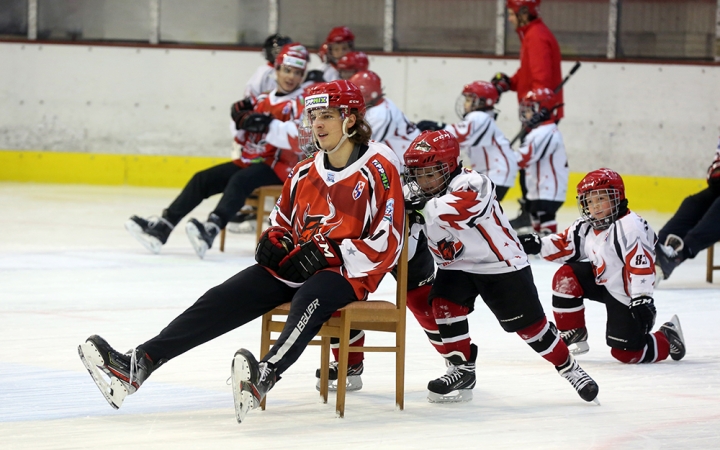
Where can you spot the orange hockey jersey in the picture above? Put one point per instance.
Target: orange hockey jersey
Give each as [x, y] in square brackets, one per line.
[360, 207]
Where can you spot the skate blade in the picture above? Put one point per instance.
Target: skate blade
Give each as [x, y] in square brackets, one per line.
[458, 396]
[247, 226]
[676, 321]
[114, 392]
[197, 242]
[596, 401]
[354, 383]
[579, 348]
[149, 242]
[242, 388]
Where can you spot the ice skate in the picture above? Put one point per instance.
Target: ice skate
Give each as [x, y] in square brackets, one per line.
[457, 383]
[152, 233]
[668, 256]
[576, 340]
[585, 386]
[251, 381]
[354, 380]
[522, 224]
[202, 235]
[673, 333]
[117, 375]
[245, 221]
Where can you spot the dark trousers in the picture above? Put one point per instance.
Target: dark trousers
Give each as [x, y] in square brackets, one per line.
[246, 296]
[696, 222]
[234, 182]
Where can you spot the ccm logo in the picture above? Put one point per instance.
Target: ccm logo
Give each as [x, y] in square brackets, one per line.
[323, 245]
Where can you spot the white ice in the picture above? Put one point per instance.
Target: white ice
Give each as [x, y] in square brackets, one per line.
[68, 269]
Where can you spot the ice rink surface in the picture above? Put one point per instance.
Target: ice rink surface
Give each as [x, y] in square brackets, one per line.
[68, 269]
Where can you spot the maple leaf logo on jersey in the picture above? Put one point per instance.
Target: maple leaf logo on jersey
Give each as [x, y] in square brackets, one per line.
[448, 250]
[599, 270]
[311, 225]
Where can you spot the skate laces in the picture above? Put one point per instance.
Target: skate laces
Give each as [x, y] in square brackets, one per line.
[153, 221]
[452, 375]
[576, 376]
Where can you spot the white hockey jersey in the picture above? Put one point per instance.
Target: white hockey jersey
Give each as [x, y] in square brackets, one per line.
[542, 155]
[489, 150]
[263, 80]
[467, 230]
[391, 127]
[360, 207]
[622, 256]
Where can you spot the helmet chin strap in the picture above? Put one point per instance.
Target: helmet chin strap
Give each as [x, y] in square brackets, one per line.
[342, 139]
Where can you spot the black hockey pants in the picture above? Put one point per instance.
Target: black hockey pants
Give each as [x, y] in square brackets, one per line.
[696, 222]
[234, 182]
[246, 296]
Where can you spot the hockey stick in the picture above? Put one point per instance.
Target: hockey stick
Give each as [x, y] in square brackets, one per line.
[523, 131]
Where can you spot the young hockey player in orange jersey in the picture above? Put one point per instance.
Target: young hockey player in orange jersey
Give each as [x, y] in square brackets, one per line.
[477, 253]
[318, 255]
[607, 255]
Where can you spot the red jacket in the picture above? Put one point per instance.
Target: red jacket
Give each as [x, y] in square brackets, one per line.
[539, 62]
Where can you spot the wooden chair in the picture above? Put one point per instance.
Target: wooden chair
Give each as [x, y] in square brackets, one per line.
[369, 315]
[257, 200]
[711, 267]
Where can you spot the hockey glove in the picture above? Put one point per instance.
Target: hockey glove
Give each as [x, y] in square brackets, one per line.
[643, 311]
[431, 125]
[539, 117]
[274, 245]
[239, 110]
[413, 208]
[713, 176]
[309, 257]
[501, 82]
[256, 123]
[531, 243]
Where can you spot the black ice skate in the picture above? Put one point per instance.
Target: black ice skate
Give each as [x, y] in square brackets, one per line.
[152, 233]
[354, 380]
[202, 235]
[251, 381]
[576, 340]
[673, 333]
[117, 375]
[668, 256]
[522, 224]
[457, 384]
[585, 386]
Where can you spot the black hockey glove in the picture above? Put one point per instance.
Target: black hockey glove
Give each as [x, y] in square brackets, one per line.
[274, 245]
[413, 208]
[256, 123]
[501, 82]
[538, 118]
[309, 257]
[531, 243]
[643, 311]
[431, 125]
[315, 76]
[239, 110]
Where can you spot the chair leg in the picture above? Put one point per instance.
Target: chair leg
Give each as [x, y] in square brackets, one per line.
[222, 240]
[400, 368]
[260, 215]
[265, 344]
[324, 368]
[710, 263]
[342, 365]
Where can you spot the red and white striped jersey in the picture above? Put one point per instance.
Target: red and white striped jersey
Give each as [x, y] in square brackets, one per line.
[360, 207]
[487, 146]
[467, 230]
[262, 147]
[542, 155]
[391, 127]
[622, 256]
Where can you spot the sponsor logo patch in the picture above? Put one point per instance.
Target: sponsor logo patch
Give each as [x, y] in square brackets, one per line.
[389, 210]
[383, 175]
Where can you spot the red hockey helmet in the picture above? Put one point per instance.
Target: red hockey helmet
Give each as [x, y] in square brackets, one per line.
[429, 162]
[535, 101]
[370, 85]
[601, 198]
[531, 5]
[340, 34]
[293, 55]
[352, 63]
[477, 96]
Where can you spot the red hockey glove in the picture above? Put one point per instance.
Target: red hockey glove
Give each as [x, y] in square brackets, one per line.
[501, 82]
[309, 257]
[274, 245]
[531, 243]
[643, 311]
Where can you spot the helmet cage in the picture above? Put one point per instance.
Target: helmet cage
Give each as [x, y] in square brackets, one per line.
[609, 214]
[438, 175]
[478, 104]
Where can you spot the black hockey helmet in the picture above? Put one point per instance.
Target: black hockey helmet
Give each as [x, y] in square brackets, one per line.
[273, 44]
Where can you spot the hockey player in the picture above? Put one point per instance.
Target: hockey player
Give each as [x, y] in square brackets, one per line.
[319, 255]
[352, 63]
[539, 68]
[263, 80]
[488, 148]
[693, 227]
[256, 162]
[339, 42]
[607, 256]
[477, 253]
[542, 155]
